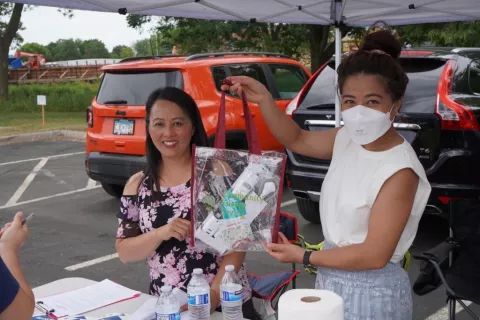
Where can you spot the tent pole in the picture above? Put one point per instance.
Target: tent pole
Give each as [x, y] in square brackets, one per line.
[338, 58]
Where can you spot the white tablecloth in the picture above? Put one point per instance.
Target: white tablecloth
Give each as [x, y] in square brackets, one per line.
[68, 284]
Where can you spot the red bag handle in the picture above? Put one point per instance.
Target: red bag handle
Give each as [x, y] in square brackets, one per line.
[251, 130]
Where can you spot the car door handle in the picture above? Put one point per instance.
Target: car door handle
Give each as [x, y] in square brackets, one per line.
[252, 113]
[121, 113]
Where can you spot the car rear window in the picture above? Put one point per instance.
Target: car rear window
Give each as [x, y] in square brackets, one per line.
[420, 97]
[133, 88]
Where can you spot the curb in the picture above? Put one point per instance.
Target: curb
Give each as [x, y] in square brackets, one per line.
[47, 135]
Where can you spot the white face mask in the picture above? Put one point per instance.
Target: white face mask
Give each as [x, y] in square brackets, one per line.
[365, 125]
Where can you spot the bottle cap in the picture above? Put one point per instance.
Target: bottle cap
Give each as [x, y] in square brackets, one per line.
[197, 271]
[229, 268]
[166, 289]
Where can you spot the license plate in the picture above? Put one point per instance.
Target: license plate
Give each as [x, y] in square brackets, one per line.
[123, 127]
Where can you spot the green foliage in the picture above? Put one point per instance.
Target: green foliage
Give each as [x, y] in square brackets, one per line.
[6, 10]
[65, 49]
[93, 49]
[142, 48]
[61, 97]
[33, 47]
[453, 34]
[196, 35]
[70, 49]
[121, 52]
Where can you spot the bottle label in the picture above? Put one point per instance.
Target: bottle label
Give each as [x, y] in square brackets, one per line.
[199, 299]
[231, 296]
[171, 316]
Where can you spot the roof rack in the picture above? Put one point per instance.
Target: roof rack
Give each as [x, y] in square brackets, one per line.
[151, 57]
[223, 54]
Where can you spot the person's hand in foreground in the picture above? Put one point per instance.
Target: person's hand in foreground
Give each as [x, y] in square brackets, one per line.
[16, 297]
[284, 251]
[13, 235]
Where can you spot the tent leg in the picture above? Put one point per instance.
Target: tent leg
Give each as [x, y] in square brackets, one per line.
[338, 58]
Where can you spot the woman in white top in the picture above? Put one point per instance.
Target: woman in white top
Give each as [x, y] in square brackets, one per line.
[375, 191]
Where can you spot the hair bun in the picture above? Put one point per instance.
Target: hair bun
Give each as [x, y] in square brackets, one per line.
[382, 40]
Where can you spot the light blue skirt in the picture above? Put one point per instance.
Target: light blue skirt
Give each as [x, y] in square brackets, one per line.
[383, 294]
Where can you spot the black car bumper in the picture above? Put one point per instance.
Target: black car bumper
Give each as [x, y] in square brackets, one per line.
[113, 168]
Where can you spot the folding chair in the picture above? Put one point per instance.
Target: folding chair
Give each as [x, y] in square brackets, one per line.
[455, 262]
[270, 287]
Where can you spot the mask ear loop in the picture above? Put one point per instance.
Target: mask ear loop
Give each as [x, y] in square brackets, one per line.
[390, 112]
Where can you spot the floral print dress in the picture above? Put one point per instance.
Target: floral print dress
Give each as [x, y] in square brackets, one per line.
[173, 261]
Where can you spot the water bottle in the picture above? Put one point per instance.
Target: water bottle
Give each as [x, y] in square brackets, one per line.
[198, 291]
[231, 295]
[168, 307]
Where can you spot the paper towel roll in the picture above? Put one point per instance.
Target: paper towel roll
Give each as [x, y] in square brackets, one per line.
[310, 304]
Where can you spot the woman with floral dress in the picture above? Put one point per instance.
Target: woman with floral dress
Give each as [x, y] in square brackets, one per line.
[154, 218]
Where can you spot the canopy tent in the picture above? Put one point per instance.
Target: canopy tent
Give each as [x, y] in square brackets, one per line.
[336, 12]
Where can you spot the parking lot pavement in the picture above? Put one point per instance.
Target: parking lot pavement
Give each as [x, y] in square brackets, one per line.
[73, 231]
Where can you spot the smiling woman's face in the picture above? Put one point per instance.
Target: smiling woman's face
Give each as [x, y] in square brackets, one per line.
[170, 128]
[368, 91]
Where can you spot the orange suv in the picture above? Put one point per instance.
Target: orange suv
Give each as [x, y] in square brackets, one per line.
[115, 147]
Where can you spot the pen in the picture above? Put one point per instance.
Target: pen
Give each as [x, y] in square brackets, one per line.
[25, 220]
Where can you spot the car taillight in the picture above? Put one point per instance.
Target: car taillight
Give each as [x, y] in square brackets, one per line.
[453, 114]
[89, 117]
[293, 105]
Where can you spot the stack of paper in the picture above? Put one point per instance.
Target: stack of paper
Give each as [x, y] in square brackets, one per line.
[89, 298]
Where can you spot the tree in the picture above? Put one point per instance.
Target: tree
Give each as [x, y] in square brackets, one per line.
[196, 35]
[9, 35]
[33, 47]
[94, 48]
[121, 52]
[8, 32]
[455, 34]
[126, 52]
[147, 47]
[65, 49]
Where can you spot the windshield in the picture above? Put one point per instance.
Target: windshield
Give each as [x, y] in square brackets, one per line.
[133, 89]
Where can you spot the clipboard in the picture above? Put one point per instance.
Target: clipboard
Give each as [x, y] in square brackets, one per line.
[49, 312]
[79, 301]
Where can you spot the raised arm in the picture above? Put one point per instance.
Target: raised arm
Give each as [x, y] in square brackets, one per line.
[316, 144]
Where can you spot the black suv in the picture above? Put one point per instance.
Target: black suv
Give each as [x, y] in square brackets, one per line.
[439, 117]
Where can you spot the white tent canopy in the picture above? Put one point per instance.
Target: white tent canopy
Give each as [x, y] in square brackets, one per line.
[351, 12]
[326, 12]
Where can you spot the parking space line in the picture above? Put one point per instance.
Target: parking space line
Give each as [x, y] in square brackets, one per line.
[26, 183]
[48, 197]
[37, 159]
[442, 313]
[92, 262]
[91, 183]
[288, 203]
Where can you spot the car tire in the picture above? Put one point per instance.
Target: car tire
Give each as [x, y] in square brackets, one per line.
[309, 210]
[114, 190]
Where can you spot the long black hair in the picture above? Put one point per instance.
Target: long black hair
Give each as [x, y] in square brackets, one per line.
[188, 105]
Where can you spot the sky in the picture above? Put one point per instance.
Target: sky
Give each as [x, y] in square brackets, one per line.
[44, 25]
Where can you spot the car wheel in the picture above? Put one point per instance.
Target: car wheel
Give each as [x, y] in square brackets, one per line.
[309, 210]
[114, 190]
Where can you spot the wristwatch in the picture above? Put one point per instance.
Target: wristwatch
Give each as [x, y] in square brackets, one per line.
[306, 259]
